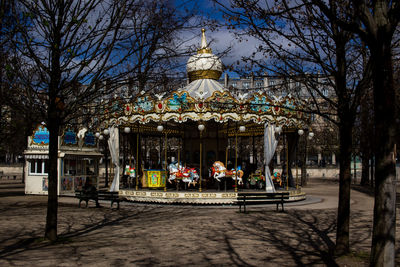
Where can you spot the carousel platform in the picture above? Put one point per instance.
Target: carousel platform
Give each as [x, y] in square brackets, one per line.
[206, 197]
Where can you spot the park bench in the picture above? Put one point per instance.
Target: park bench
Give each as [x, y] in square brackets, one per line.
[257, 198]
[85, 195]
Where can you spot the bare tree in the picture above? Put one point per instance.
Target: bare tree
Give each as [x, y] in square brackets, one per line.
[375, 22]
[72, 54]
[343, 25]
[309, 47]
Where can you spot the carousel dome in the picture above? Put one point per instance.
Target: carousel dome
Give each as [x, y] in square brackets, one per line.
[204, 65]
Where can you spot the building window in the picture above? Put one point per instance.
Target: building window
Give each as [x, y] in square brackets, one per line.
[234, 84]
[271, 83]
[38, 166]
[246, 85]
[259, 84]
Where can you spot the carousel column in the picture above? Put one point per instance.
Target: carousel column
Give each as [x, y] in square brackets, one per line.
[201, 127]
[236, 158]
[127, 130]
[137, 159]
[300, 133]
[242, 129]
[160, 128]
[287, 162]
[226, 161]
[166, 160]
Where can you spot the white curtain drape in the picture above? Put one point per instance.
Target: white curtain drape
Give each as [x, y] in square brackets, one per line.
[270, 144]
[113, 145]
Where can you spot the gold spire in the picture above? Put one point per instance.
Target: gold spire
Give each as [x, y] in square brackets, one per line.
[204, 48]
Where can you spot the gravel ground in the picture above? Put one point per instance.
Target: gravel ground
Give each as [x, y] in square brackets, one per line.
[165, 235]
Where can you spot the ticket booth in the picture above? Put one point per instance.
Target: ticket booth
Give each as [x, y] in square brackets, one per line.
[77, 161]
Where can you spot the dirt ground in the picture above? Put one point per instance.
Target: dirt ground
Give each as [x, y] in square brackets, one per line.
[165, 235]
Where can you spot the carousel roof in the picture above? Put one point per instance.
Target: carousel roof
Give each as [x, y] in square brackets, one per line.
[205, 99]
[203, 88]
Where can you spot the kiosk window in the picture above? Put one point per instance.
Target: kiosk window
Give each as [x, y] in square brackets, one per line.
[38, 166]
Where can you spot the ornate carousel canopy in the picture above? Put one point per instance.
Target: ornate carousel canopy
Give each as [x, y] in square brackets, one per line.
[205, 99]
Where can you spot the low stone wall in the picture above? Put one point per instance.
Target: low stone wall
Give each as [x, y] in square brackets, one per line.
[11, 169]
[316, 172]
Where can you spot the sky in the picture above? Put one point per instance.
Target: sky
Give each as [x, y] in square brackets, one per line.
[221, 38]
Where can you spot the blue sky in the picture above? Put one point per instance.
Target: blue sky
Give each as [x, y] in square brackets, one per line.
[220, 38]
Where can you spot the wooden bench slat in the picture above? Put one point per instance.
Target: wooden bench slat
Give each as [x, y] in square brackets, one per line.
[257, 198]
[83, 195]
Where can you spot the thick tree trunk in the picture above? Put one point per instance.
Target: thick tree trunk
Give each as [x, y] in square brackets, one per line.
[52, 203]
[54, 120]
[346, 123]
[384, 229]
[343, 217]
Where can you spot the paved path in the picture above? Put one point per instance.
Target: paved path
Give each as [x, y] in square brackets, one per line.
[164, 235]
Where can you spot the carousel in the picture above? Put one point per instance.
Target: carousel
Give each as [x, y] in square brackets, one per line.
[201, 144]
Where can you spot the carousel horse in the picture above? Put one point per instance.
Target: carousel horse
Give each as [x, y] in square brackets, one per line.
[188, 175]
[191, 176]
[218, 170]
[236, 175]
[276, 178]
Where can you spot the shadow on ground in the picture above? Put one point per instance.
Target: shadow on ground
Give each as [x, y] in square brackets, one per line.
[165, 236]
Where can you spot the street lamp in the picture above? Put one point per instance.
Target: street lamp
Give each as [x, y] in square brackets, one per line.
[304, 161]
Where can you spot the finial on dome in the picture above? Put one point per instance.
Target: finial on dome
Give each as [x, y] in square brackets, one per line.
[204, 47]
[203, 39]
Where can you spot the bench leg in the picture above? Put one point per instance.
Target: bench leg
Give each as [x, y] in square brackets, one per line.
[97, 203]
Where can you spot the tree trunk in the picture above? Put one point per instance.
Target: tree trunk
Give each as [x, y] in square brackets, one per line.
[346, 122]
[365, 169]
[52, 203]
[343, 217]
[292, 141]
[303, 163]
[54, 120]
[384, 229]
